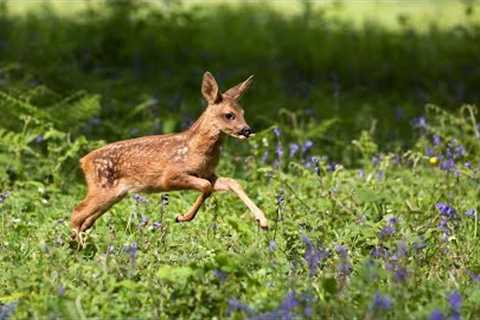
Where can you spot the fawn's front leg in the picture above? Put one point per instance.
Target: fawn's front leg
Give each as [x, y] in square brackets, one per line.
[195, 183]
[229, 184]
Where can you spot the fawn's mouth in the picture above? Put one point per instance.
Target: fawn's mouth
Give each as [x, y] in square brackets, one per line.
[242, 136]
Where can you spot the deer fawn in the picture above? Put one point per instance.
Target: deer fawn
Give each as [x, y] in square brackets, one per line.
[179, 161]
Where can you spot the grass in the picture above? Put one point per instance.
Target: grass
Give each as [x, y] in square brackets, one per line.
[372, 197]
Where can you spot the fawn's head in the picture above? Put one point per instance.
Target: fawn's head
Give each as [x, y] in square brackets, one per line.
[224, 111]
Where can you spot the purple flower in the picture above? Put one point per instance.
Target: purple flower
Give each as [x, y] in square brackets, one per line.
[455, 301]
[221, 276]
[307, 145]
[379, 252]
[436, 140]
[60, 290]
[436, 315]
[39, 139]
[235, 305]
[342, 251]
[131, 249]
[143, 221]
[445, 210]
[468, 165]
[272, 245]
[429, 151]
[279, 151]
[164, 199]
[401, 274]
[265, 156]
[419, 122]
[4, 195]
[139, 198]
[471, 213]
[293, 149]
[376, 160]
[331, 166]
[475, 277]
[277, 132]
[361, 173]
[289, 302]
[313, 256]
[156, 225]
[419, 245]
[381, 302]
[7, 310]
[447, 165]
[389, 229]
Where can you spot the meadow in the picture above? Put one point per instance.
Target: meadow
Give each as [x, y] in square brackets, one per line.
[366, 161]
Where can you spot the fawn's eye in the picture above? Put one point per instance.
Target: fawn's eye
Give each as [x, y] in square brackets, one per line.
[230, 116]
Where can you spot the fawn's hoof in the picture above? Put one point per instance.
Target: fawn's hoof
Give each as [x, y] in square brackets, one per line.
[263, 224]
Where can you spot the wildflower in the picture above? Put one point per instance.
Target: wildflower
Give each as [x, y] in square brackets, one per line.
[139, 199]
[279, 151]
[331, 166]
[307, 145]
[381, 302]
[380, 175]
[221, 276]
[156, 225]
[235, 305]
[265, 156]
[280, 198]
[342, 251]
[39, 139]
[277, 132]
[468, 165]
[379, 252]
[376, 160]
[143, 222]
[433, 161]
[132, 252]
[419, 244]
[4, 195]
[429, 152]
[475, 277]
[289, 302]
[293, 149]
[272, 245]
[436, 140]
[61, 291]
[471, 213]
[443, 226]
[445, 210]
[361, 173]
[344, 267]
[447, 165]
[455, 301]
[419, 122]
[401, 274]
[389, 229]
[313, 256]
[7, 310]
[164, 199]
[436, 315]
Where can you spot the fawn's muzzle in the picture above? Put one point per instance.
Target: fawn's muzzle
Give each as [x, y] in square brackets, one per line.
[246, 132]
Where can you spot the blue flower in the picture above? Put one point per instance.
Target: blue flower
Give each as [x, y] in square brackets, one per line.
[7, 310]
[307, 145]
[471, 213]
[279, 151]
[445, 210]
[4, 195]
[436, 140]
[277, 132]
[235, 305]
[313, 256]
[455, 301]
[293, 149]
[221, 276]
[436, 315]
[389, 229]
[447, 165]
[419, 122]
[342, 251]
[139, 198]
[429, 152]
[272, 245]
[381, 302]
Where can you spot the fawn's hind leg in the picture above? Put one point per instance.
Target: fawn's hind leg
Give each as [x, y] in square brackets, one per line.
[190, 215]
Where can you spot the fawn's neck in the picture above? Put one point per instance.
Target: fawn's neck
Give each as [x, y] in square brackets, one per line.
[204, 138]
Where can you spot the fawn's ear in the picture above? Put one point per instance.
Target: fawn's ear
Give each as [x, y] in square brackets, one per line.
[237, 91]
[210, 90]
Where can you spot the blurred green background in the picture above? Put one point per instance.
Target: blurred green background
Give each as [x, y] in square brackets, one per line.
[324, 70]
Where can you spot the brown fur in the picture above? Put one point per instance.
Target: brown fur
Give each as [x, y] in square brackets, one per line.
[185, 160]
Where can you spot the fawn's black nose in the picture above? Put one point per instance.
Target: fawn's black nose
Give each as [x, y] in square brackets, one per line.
[246, 132]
